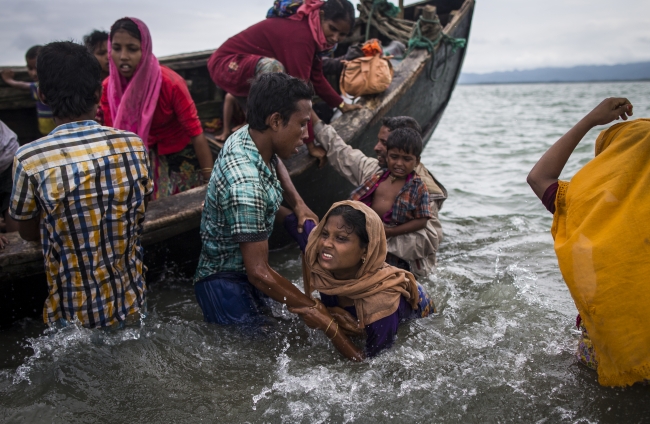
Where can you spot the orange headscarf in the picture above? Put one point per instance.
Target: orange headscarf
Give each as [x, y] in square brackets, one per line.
[377, 287]
[601, 229]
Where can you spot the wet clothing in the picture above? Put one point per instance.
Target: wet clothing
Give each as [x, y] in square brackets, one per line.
[377, 287]
[241, 201]
[382, 295]
[43, 112]
[228, 298]
[289, 41]
[87, 183]
[175, 119]
[418, 248]
[381, 334]
[601, 230]
[412, 202]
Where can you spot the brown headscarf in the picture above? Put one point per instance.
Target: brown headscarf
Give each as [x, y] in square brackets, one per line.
[377, 287]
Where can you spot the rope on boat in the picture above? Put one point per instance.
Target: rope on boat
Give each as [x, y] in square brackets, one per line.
[422, 34]
[419, 41]
[383, 16]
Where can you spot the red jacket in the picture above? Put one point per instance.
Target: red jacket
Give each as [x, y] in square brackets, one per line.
[175, 120]
[290, 42]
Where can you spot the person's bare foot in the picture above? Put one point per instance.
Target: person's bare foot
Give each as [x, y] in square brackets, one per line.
[224, 135]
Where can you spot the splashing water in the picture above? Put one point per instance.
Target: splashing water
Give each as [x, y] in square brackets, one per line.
[500, 349]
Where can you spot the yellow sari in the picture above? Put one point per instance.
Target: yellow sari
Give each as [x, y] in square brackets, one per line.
[601, 229]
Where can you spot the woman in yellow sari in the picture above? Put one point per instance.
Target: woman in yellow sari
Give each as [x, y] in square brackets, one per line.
[601, 227]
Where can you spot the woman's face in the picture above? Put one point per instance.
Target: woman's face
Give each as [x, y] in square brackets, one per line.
[339, 249]
[335, 31]
[126, 52]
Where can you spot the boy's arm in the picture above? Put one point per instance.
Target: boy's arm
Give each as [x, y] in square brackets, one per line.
[549, 167]
[350, 163]
[8, 77]
[409, 227]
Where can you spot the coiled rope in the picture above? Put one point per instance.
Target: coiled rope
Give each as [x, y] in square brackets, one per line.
[419, 41]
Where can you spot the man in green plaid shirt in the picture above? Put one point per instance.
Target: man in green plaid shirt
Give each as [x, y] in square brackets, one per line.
[248, 183]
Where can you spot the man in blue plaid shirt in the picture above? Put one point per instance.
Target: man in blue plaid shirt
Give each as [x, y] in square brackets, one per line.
[247, 185]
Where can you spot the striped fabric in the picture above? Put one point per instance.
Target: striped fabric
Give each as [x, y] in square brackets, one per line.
[412, 202]
[242, 199]
[87, 183]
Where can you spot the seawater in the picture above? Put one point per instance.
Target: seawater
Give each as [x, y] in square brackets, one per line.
[501, 349]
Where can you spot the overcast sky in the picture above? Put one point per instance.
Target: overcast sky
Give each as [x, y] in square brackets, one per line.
[506, 34]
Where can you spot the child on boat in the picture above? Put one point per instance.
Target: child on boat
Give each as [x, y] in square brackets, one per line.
[397, 194]
[292, 45]
[601, 231]
[97, 43]
[81, 192]
[45, 121]
[153, 101]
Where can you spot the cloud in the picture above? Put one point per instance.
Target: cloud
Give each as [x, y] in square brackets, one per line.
[506, 34]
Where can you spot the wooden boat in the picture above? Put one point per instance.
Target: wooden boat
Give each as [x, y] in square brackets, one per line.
[170, 234]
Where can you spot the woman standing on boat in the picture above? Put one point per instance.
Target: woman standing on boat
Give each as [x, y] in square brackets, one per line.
[153, 101]
[293, 45]
[344, 262]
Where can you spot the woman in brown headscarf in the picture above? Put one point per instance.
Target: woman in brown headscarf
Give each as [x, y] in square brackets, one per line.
[344, 261]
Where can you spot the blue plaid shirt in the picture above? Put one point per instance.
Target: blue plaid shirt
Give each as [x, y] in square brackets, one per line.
[87, 184]
[242, 199]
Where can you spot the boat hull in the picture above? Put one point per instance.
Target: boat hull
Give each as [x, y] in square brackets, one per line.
[171, 230]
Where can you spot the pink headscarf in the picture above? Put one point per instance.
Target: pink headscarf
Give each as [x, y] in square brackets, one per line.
[311, 9]
[133, 102]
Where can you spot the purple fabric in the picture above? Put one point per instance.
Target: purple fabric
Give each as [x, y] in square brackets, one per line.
[548, 199]
[381, 333]
[291, 225]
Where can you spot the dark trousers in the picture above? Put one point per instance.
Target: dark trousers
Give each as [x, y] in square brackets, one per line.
[229, 298]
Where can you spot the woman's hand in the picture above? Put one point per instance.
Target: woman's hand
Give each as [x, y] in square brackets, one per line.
[347, 107]
[3, 242]
[609, 110]
[316, 317]
[349, 325]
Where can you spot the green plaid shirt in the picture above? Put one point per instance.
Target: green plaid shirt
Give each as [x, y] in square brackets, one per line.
[240, 204]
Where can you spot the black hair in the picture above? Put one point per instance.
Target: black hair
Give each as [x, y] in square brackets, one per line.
[275, 92]
[69, 78]
[406, 139]
[95, 39]
[355, 222]
[395, 122]
[33, 51]
[336, 10]
[127, 25]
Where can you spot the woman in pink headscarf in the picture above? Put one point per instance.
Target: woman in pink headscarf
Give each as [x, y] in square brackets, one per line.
[293, 45]
[153, 101]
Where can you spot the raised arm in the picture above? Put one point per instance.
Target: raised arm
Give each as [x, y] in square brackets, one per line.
[350, 163]
[549, 167]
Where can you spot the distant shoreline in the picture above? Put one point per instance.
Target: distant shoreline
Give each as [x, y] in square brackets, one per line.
[551, 82]
[638, 71]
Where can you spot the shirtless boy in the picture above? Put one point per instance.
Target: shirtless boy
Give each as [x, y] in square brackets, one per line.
[397, 194]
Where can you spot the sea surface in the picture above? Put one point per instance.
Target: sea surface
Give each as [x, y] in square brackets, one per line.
[501, 349]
